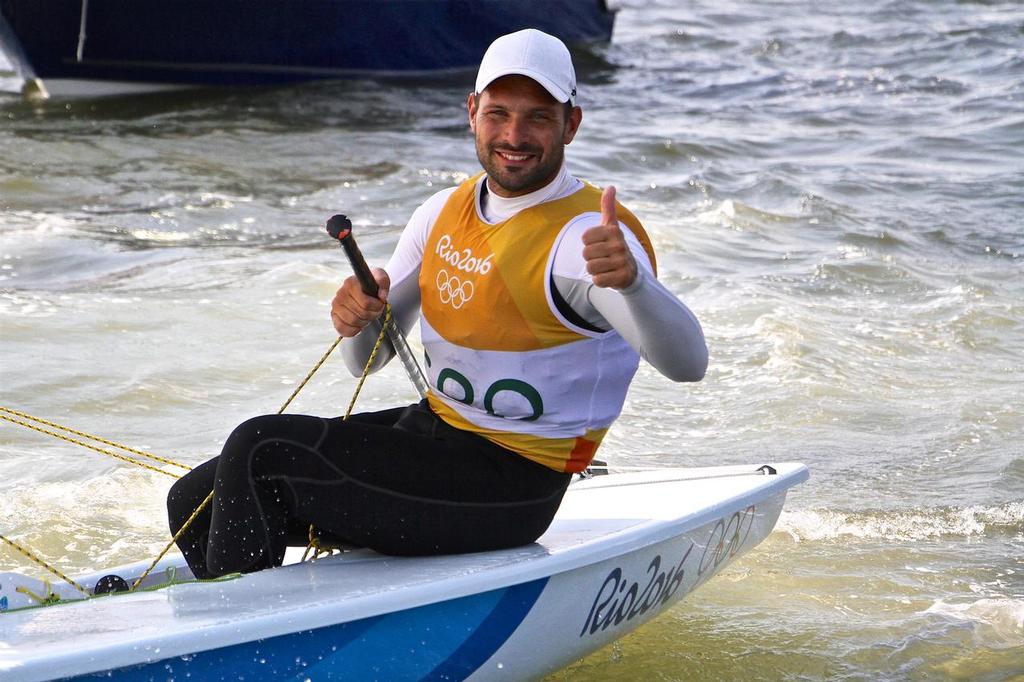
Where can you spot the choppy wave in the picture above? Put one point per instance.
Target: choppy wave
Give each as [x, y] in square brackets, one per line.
[999, 622]
[93, 523]
[899, 525]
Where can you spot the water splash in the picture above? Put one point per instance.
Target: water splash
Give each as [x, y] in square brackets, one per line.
[999, 623]
[905, 526]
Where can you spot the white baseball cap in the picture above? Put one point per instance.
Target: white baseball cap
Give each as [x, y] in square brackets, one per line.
[534, 54]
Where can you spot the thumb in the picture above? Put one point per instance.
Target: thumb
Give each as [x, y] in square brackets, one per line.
[383, 283]
[608, 206]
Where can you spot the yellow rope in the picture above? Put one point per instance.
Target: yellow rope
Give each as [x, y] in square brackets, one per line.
[166, 549]
[25, 552]
[90, 447]
[141, 453]
[49, 597]
[316, 547]
[309, 376]
[369, 362]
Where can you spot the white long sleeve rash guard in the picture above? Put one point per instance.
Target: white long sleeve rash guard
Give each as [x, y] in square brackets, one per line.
[647, 315]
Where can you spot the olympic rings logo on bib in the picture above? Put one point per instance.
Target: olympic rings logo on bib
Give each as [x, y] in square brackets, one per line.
[454, 291]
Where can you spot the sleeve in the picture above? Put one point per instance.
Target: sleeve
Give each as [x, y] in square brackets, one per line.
[656, 324]
[403, 269]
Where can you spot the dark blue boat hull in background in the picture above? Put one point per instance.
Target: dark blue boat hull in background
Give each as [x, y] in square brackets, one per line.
[237, 42]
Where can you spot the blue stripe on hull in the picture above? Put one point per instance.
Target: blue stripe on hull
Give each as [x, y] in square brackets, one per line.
[444, 641]
[494, 631]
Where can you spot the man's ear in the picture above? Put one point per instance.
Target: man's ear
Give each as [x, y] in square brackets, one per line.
[572, 124]
[471, 106]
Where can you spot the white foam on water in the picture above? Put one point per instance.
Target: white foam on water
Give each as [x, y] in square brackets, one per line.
[999, 622]
[738, 215]
[817, 525]
[160, 235]
[33, 222]
[84, 525]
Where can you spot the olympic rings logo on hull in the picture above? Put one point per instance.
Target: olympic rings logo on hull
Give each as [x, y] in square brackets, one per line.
[453, 290]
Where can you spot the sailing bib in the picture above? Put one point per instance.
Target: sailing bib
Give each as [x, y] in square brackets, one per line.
[501, 360]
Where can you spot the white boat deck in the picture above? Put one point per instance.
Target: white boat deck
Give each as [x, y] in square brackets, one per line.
[600, 518]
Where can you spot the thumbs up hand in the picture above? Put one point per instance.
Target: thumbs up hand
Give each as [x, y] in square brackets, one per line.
[609, 260]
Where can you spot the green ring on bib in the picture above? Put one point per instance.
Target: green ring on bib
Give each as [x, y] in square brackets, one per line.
[449, 373]
[516, 386]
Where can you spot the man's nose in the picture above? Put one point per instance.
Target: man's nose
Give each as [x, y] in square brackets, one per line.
[516, 132]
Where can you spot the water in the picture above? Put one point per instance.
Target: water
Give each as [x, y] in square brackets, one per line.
[835, 189]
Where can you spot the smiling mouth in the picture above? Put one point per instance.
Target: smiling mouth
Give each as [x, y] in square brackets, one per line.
[514, 157]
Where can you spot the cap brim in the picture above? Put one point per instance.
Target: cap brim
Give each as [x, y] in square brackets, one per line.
[558, 93]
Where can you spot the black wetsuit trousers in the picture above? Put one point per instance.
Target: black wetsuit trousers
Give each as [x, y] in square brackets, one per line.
[400, 481]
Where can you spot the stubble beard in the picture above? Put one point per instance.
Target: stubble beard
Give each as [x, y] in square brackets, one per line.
[524, 181]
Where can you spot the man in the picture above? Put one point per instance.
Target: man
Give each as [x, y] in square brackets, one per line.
[538, 296]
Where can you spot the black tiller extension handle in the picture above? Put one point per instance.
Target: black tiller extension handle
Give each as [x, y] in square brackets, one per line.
[340, 227]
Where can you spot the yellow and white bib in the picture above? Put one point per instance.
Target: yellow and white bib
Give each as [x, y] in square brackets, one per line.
[501, 360]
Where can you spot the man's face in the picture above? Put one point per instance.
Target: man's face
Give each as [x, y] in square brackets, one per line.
[521, 133]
